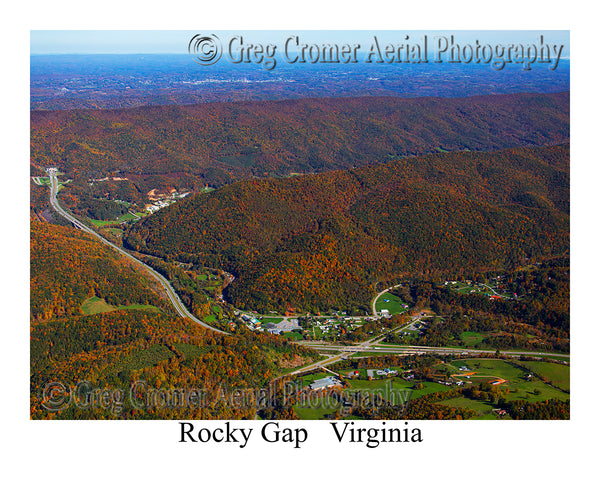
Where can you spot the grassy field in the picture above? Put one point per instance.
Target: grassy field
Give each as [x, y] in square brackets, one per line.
[381, 384]
[429, 387]
[117, 232]
[95, 305]
[471, 338]
[391, 303]
[559, 375]
[42, 180]
[293, 336]
[397, 384]
[482, 408]
[384, 387]
[317, 413]
[274, 320]
[123, 218]
[520, 388]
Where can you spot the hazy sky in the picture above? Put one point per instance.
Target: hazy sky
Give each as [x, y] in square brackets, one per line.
[176, 41]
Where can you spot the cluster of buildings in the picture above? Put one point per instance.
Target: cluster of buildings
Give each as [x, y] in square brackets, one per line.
[286, 325]
[386, 372]
[252, 322]
[165, 202]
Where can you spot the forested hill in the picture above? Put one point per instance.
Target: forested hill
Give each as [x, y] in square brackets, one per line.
[220, 143]
[69, 266]
[139, 341]
[322, 241]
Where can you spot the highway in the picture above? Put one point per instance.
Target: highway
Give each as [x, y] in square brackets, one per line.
[418, 350]
[347, 350]
[373, 345]
[173, 297]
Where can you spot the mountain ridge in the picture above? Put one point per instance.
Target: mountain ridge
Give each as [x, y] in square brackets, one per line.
[320, 241]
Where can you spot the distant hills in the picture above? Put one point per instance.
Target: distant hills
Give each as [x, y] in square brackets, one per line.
[326, 240]
[219, 143]
[63, 82]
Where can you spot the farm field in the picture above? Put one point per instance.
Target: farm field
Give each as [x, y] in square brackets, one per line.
[391, 303]
[482, 408]
[520, 388]
[293, 336]
[558, 374]
[383, 384]
[117, 232]
[123, 218]
[317, 413]
[95, 305]
[472, 338]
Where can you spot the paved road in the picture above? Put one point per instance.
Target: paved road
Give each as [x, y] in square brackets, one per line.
[373, 345]
[347, 350]
[417, 349]
[173, 297]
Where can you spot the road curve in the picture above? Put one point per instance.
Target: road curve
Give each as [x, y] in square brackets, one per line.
[173, 297]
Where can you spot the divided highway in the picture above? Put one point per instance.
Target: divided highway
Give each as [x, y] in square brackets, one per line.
[344, 351]
[173, 297]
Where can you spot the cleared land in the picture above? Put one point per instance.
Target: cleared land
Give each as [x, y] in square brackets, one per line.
[123, 218]
[481, 407]
[94, 305]
[517, 384]
[559, 375]
[391, 303]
